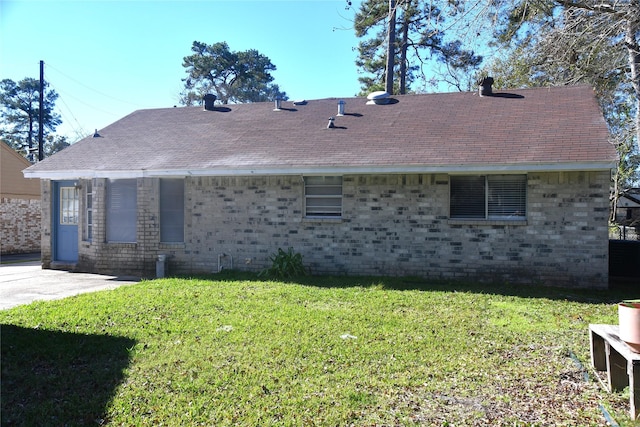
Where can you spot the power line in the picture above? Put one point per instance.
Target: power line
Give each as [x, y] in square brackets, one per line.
[76, 127]
[81, 101]
[95, 90]
[78, 131]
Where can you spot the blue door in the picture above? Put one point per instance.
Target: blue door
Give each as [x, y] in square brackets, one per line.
[66, 207]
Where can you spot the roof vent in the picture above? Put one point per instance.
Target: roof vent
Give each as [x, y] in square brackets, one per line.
[278, 104]
[485, 88]
[378, 98]
[96, 134]
[331, 125]
[341, 105]
[300, 102]
[209, 101]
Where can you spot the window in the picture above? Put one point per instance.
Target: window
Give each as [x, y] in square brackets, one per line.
[121, 210]
[497, 197]
[171, 210]
[323, 196]
[69, 206]
[88, 218]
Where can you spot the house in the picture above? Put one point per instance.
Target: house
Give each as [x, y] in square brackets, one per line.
[627, 214]
[19, 205]
[509, 187]
[628, 208]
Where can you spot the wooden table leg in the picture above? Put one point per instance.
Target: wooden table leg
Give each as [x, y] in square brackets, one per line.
[634, 387]
[616, 369]
[598, 352]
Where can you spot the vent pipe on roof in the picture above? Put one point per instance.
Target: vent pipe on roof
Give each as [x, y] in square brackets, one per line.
[341, 105]
[96, 134]
[278, 104]
[485, 88]
[331, 125]
[209, 101]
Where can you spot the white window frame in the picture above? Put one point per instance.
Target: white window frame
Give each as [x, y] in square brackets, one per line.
[323, 196]
[504, 197]
[88, 217]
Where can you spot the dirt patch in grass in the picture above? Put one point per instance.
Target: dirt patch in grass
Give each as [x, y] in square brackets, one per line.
[547, 391]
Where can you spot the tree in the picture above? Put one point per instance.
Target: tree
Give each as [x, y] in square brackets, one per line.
[559, 42]
[55, 143]
[20, 110]
[576, 35]
[408, 35]
[234, 77]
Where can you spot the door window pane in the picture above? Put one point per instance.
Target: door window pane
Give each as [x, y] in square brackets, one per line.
[69, 206]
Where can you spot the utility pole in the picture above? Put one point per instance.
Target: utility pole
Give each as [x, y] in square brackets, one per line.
[41, 115]
[391, 48]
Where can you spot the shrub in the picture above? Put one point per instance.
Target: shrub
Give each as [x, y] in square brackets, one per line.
[285, 265]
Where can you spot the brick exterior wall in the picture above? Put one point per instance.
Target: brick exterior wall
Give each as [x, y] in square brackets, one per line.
[20, 230]
[391, 225]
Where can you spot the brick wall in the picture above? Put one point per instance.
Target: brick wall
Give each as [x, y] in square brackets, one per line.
[20, 230]
[391, 225]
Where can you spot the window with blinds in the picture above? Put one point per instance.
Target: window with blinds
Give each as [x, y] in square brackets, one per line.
[493, 197]
[323, 196]
[122, 202]
[171, 210]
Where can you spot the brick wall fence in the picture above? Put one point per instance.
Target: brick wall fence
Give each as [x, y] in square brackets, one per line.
[391, 225]
[20, 230]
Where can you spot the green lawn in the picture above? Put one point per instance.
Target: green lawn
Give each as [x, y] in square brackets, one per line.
[234, 350]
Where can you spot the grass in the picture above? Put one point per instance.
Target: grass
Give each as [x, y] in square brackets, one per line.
[234, 350]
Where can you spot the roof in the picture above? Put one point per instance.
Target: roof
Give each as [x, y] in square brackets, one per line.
[12, 182]
[626, 201]
[629, 199]
[559, 128]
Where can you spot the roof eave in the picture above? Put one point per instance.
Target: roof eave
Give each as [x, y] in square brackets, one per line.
[327, 170]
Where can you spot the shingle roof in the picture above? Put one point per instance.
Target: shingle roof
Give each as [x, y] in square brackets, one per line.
[532, 129]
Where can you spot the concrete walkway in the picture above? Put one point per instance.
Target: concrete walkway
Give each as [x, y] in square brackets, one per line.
[25, 282]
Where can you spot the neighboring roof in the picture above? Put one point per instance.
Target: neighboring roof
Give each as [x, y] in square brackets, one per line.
[12, 183]
[629, 199]
[558, 128]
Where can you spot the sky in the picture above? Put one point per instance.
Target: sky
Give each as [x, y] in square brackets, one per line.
[108, 58]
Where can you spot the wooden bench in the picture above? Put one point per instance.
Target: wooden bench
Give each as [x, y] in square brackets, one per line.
[609, 353]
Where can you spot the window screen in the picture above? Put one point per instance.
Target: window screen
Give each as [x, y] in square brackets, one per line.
[467, 197]
[323, 196]
[171, 210]
[488, 197]
[121, 210]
